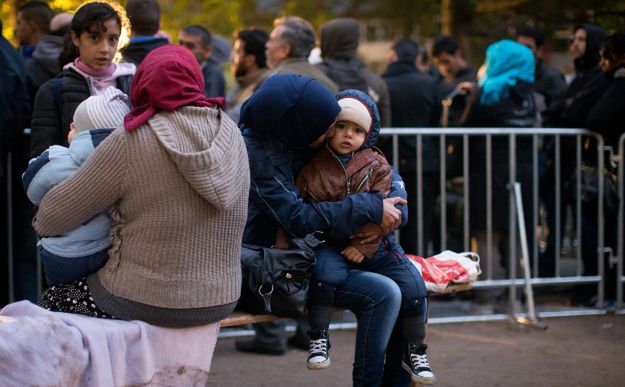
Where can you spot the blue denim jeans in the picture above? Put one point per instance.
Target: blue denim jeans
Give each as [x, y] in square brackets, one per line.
[332, 268]
[375, 300]
[61, 270]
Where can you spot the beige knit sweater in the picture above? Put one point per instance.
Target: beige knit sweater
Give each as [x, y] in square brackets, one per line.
[177, 190]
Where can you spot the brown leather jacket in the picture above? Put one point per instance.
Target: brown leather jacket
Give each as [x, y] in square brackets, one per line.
[325, 178]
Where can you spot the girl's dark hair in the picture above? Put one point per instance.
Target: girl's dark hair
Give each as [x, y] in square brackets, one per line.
[88, 18]
[93, 15]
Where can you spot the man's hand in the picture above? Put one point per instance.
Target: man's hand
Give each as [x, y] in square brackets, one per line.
[352, 254]
[391, 219]
[369, 233]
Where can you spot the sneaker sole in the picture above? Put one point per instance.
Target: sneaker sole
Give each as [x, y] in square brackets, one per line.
[318, 366]
[417, 378]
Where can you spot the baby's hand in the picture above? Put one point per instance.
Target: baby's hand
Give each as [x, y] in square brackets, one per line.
[352, 254]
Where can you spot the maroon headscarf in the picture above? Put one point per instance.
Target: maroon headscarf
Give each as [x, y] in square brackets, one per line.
[169, 77]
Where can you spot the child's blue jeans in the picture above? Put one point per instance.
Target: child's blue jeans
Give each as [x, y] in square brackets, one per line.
[60, 270]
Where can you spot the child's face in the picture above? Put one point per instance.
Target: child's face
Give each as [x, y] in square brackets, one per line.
[346, 137]
[98, 48]
[72, 133]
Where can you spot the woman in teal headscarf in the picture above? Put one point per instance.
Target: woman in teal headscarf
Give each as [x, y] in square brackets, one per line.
[504, 98]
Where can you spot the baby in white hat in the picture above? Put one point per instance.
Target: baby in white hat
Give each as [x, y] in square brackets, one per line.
[83, 250]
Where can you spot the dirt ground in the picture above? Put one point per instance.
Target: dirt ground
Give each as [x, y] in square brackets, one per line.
[573, 351]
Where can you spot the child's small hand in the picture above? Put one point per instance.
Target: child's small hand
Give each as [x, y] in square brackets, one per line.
[352, 254]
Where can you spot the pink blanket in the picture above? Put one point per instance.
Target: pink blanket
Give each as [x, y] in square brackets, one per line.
[39, 347]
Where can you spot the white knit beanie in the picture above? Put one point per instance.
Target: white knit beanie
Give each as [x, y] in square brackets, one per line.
[354, 110]
[106, 110]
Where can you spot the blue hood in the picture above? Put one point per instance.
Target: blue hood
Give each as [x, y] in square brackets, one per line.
[294, 109]
[372, 137]
[507, 63]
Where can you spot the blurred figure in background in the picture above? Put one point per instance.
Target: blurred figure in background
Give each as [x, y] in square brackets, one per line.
[199, 41]
[32, 23]
[414, 103]
[44, 64]
[14, 108]
[339, 48]
[249, 65]
[504, 98]
[288, 48]
[549, 81]
[145, 21]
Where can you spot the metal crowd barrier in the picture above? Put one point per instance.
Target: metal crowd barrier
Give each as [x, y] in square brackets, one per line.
[570, 274]
[620, 277]
[563, 275]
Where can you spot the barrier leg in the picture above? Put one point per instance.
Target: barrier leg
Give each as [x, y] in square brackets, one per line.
[532, 317]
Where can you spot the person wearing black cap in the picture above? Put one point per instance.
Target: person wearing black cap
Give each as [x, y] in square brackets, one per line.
[414, 103]
[548, 81]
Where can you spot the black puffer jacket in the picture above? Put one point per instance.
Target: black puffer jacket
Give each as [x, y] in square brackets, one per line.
[54, 109]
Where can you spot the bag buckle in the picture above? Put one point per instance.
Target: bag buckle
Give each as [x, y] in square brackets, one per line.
[266, 297]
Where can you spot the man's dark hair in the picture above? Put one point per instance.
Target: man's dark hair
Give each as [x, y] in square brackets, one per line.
[144, 16]
[406, 50]
[255, 40]
[614, 46]
[298, 34]
[444, 44]
[39, 13]
[534, 33]
[203, 33]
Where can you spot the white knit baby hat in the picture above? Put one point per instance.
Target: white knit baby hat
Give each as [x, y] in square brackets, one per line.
[354, 110]
[106, 110]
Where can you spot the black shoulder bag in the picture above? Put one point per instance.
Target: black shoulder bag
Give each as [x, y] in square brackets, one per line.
[276, 281]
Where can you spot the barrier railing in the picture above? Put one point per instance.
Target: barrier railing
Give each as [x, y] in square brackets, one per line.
[620, 277]
[520, 142]
[578, 141]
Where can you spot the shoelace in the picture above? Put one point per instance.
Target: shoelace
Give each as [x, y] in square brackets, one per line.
[419, 361]
[318, 346]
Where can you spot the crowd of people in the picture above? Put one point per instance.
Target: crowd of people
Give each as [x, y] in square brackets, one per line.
[128, 166]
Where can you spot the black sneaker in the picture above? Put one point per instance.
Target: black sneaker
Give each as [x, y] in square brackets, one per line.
[319, 351]
[416, 363]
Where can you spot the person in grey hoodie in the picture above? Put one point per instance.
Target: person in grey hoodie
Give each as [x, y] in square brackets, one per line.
[44, 64]
[82, 250]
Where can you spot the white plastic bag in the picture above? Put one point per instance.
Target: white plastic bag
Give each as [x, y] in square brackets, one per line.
[446, 268]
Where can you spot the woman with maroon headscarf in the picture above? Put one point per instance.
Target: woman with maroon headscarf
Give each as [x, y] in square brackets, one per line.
[175, 179]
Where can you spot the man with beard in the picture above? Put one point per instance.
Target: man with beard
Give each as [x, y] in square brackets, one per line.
[249, 64]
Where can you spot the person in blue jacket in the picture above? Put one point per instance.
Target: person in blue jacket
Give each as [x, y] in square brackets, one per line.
[282, 124]
[83, 250]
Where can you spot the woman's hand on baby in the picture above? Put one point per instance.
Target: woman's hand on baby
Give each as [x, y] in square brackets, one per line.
[391, 218]
[369, 233]
[352, 254]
